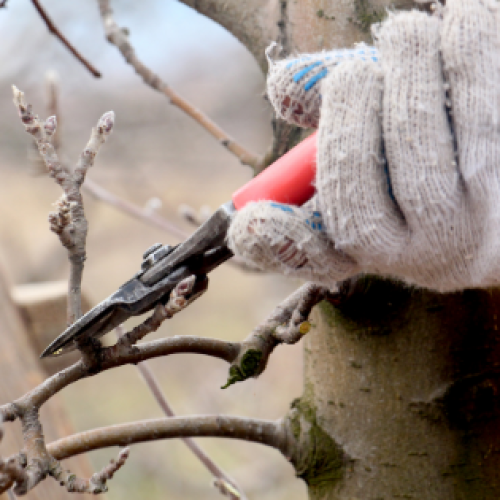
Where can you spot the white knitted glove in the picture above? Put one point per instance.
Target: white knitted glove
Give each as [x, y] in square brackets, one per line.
[408, 175]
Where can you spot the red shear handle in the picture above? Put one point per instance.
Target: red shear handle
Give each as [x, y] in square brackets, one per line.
[288, 180]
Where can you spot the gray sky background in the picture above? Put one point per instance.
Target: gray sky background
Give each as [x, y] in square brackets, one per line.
[190, 43]
[195, 56]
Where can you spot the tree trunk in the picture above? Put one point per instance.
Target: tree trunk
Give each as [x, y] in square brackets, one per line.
[401, 385]
[406, 383]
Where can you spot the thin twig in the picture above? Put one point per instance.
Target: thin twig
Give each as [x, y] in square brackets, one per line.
[184, 293]
[95, 484]
[119, 37]
[143, 214]
[53, 29]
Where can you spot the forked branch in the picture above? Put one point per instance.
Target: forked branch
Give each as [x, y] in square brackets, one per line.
[69, 221]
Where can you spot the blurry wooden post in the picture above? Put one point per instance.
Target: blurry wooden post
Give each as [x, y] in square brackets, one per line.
[402, 386]
[43, 309]
[20, 371]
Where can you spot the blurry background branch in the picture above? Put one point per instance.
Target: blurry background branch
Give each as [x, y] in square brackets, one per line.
[57, 33]
[119, 37]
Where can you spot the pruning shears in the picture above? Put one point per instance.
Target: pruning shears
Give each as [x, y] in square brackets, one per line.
[289, 180]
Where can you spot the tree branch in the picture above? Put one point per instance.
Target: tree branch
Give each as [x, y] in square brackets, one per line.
[68, 222]
[254, 24]
[259, 431]
[97, 483]
[119, 37]
[112, 357]
[53, 29]
[286, 324]
[125, 206]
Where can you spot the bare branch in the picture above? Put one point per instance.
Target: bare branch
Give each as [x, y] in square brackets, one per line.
[27, 469]
[98, 137]
[68, 222]
[53, 29]
[119, 37]
[37, 457]
[97, 483]
[112, 357]
[185, 292]
[286, 324]
[143, 214]
[265, 432]
[248, 358]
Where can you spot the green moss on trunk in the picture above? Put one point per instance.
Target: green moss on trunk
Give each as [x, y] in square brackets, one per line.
[320, 462]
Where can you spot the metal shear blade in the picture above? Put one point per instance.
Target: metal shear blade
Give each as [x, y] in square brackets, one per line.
[162, 270]
[131, 299]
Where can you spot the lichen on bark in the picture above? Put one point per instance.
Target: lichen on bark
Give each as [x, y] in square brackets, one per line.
[318, 459]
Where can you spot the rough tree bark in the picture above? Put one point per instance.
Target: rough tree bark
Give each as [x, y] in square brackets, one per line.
[401, 385]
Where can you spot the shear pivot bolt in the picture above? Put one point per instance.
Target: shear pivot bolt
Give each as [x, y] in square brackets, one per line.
[151, 249]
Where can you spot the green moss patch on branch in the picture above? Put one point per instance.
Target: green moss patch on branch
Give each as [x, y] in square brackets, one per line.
[245, 367]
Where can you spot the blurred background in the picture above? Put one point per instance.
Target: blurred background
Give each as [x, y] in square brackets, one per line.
[158, 153]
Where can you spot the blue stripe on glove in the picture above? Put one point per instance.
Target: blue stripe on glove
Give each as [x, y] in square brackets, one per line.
[363, 53]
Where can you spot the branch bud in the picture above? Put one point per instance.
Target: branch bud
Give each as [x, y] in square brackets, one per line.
[106, 123]
[50, 126]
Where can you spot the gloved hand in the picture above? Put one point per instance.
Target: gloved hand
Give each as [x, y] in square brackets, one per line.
[408, 166]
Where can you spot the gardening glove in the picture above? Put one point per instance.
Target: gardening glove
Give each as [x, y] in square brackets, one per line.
[408, 162]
